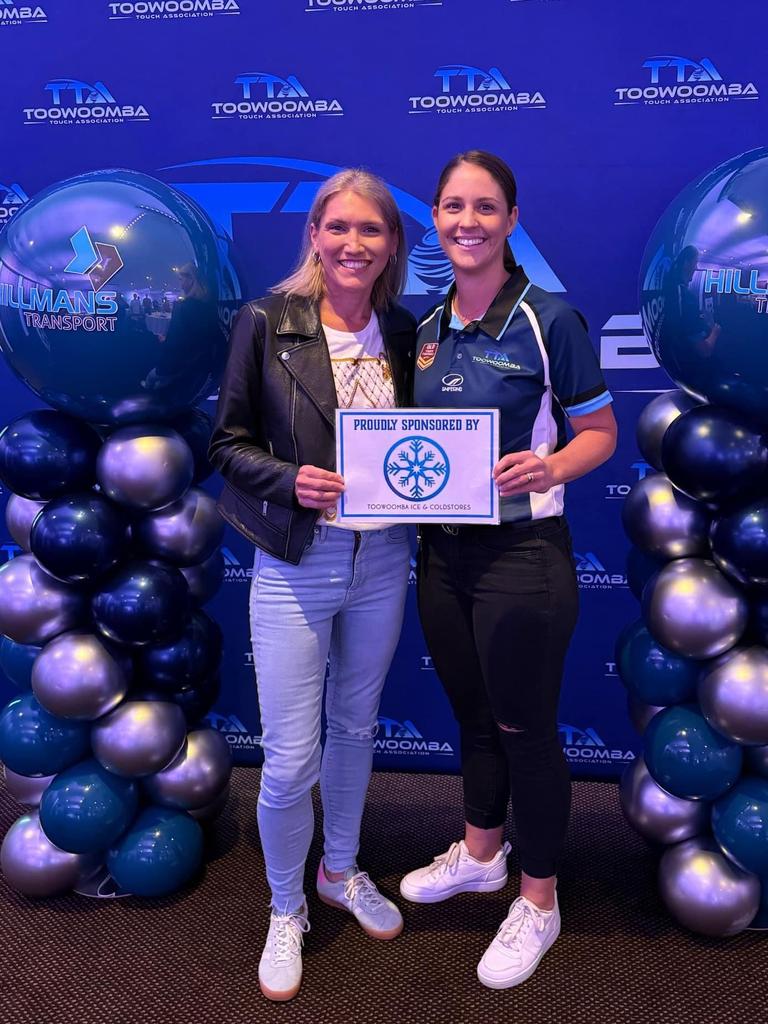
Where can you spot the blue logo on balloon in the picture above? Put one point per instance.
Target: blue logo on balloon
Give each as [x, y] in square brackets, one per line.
[416, 468]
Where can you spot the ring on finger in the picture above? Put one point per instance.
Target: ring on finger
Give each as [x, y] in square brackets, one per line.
[530, 477]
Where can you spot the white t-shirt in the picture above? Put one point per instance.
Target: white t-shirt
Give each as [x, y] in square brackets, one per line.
[363, 380]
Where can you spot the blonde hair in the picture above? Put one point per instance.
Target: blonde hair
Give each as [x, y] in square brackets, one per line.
[308, 278]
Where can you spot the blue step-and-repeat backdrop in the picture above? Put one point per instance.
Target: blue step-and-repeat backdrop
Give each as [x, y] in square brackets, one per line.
[604, 110]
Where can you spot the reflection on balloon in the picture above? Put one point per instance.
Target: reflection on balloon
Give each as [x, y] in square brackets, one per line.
[704, 891]
[85, 809]
[734, 695]
[655, 814]
[740, 825]
[34, 742]
[663, 521]
[34, 607]
[654, 420]
[26, 790]
[19, 515]
[185, 533]
[693, 610]
[198, 774]
[145, 467]
[76, 676]
[33, 866]
[139, 737]
[79, 537]
[740, 543]
[182, 662]
[161, 851]
[652, 674]
[687, 757]
[44, 454]
[141, 603]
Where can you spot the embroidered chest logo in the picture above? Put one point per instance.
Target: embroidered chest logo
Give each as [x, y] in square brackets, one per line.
[500, 360]
[427, 355]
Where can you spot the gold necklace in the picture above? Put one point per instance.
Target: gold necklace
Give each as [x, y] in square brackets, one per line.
[465, 319]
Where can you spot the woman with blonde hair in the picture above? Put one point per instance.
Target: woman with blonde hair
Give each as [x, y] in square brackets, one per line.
[330, 336]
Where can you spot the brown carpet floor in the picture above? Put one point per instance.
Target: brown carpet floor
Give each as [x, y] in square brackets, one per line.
[193, 958]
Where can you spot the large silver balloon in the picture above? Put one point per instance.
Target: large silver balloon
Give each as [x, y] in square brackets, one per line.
[734, 695]
[640, 714]
[655, 418]
[756, 760]
[145, 467]
[34, 607]
[205, 579]
[663, 521]
[19, 516]
[704, 891]
[140, 737]
[185, 533]
[25, 790]
[32, 865]
[658, 816]
[692, 609]
[198, 774]
[209, 813]
[75, 676]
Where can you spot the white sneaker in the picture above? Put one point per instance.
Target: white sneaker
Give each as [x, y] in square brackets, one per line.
[523, 938]
[453, 872]
[280, 964]
[377, 916]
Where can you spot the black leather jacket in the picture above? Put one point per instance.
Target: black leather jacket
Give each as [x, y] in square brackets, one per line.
[276, 412]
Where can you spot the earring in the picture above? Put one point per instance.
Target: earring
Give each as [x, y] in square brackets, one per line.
[393, 259]
[316, 256]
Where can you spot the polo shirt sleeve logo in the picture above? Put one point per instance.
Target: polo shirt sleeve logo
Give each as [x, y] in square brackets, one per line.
[427, 355]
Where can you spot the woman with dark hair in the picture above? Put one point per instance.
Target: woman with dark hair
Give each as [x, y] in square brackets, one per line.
[498, 604]
[322, 591]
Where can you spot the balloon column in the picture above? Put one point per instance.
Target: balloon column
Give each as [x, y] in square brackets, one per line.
[104, 633]
[696, 664]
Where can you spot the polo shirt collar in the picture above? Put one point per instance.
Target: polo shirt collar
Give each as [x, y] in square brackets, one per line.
[497, 314]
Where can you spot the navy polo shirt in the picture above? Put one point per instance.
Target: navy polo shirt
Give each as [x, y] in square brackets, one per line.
[529, 356]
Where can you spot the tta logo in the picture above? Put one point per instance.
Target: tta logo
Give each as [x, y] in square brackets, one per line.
[427, 355]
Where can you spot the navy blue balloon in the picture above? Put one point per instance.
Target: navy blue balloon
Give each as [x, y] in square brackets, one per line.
[86, 808]
[34, 742]
[740, 825]
[161, 852]
[45, 453]
[141, 603]
[197, 700]
[758, 618]
[703, 287]
[687, 757]
[16, 661]
[183, 661]
[715, 456]
[740, 543]
[760, 921]
[640, 568]
[651, 673]
[103, 242]
[205, 579]
[79, 537]
[195, 427]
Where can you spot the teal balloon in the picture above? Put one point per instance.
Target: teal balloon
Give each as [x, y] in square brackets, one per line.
[651, 673]
[16, 661]
[740, 825]
[86, 808]
[34, 742]
[687, 757]
[161, 852]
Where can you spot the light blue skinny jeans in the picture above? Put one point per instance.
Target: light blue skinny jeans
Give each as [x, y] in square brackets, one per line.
[341, 606]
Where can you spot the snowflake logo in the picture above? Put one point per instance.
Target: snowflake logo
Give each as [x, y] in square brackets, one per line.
[416, 467]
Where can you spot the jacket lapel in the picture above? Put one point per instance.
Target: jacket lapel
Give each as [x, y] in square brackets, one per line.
[302, 350]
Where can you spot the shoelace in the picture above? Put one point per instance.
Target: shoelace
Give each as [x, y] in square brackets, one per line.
[446, 861]
[287, 936]
[360, 887]
[517, 924]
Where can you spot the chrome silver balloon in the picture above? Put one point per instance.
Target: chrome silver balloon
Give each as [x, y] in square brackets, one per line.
[205, 579]
[653, 421]
[208, 814]
[140, 737]
[34, 607]
[734, 695]
[75, 676]
[692, 609]
[32, 865]
[663, 521]
[704, 891]
[198, 774]
[25, 790]
[145, 467]
[19, 515]
[655, 814]
[756, 760]
[640, 714]
[185, 533]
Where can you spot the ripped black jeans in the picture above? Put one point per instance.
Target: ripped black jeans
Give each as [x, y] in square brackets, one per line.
[498, 606]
